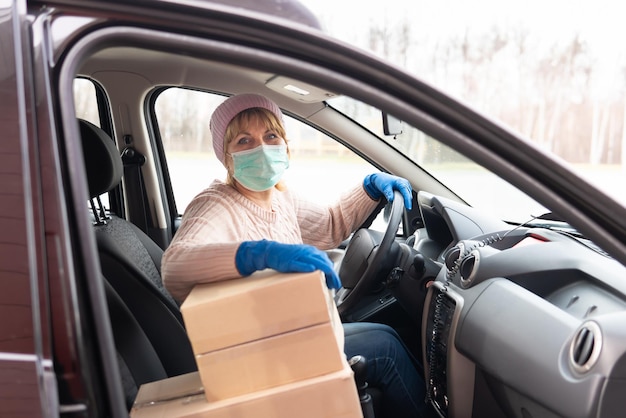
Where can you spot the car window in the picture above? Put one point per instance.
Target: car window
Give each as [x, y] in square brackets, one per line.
[183, 118]
[86, 100]
[470, 181]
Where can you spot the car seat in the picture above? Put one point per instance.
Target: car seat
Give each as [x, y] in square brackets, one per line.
[138, 362]
[130, 263]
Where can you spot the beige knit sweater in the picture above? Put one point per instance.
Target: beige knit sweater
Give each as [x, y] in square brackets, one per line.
[219, 218]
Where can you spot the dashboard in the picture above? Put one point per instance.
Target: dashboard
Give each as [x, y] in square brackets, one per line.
[521, 321]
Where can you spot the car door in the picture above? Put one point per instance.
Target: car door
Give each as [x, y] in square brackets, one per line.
[26, 376]
[56, 349]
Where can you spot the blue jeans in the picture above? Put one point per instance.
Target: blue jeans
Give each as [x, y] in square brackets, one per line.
[390, 367]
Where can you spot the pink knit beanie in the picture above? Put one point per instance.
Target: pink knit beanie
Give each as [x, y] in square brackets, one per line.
[229, 109]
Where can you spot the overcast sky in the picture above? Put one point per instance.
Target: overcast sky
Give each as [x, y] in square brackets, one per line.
[600, 22]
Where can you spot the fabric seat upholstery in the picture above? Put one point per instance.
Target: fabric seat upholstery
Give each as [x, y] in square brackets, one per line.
[138, 361]
[131, 263]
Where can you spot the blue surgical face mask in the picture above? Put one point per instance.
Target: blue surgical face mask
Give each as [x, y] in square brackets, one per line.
[260, 168]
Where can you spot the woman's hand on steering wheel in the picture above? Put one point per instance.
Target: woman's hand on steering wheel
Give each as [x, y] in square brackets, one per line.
[364, 256]
[382, 184]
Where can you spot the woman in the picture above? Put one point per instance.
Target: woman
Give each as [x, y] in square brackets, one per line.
[252, 222]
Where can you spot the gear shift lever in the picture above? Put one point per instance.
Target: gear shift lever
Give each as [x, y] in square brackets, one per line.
[359, 367]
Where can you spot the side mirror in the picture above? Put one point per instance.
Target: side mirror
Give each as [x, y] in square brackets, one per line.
[391, 125]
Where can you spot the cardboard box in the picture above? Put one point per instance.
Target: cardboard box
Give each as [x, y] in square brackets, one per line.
[263, 331]
[269, 362]
[228, 313]
[330, 396]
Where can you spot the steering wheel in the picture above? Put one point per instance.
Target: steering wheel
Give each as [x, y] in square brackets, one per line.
[365, 255]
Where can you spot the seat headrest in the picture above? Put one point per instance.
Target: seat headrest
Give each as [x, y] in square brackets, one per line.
[102, 159]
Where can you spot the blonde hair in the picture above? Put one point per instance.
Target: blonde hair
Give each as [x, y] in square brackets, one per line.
[240, 122]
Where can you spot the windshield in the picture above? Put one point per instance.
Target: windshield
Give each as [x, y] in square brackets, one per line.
[458, 173]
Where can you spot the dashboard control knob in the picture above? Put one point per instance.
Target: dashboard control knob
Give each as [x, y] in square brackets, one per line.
[394, 277]
[419, 264]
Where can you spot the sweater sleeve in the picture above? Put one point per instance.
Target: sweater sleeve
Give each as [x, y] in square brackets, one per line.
[337, 221]
[203, 249]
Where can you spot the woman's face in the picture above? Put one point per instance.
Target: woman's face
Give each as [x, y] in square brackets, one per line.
[248, 130]
[253, 134]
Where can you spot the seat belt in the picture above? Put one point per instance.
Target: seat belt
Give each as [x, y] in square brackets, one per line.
[135, 189]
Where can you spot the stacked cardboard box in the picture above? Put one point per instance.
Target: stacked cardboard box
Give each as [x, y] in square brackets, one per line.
[270, 345]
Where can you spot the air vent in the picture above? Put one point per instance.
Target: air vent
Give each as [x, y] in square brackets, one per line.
[585, 347]
[453, 256]
[469, 267]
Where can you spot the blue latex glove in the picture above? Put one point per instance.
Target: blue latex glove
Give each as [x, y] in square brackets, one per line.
[382, 184]
[285, 258]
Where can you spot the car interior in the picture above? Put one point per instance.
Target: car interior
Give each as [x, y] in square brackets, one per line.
[130, 264]
[508, 319]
